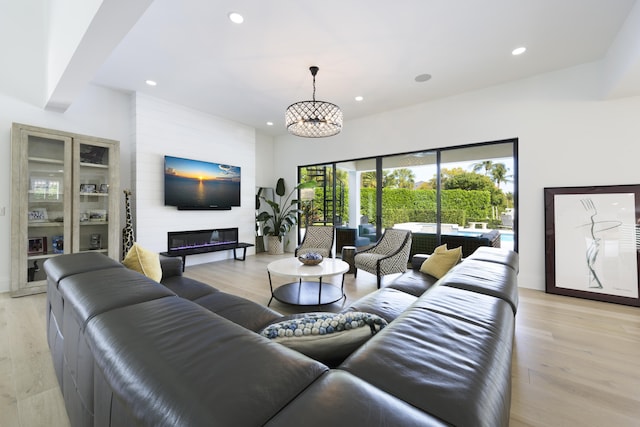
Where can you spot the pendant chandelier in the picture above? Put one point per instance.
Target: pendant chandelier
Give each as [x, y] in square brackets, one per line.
[313, 119]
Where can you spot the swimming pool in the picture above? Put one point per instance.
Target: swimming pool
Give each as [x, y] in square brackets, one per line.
[506, 236]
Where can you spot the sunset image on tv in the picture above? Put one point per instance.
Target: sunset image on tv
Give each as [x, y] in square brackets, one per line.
[195, 183]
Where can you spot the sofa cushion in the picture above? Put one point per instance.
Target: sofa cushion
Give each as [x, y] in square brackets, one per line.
[79, 263]
[187, 288]
[485, 277]
[386, 303]
[93, 292]
[327, 337]
[242, 311]
[182, 365]
[143, 261]
[341, 399]
[497, 255]
[449, 366]
[413, 282]
[441, 261]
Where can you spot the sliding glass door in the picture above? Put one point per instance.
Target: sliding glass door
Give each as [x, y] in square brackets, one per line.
[448, 195]
[477, 192]
[408, 193]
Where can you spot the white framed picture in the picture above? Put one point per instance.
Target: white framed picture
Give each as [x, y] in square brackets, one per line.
[38, 215]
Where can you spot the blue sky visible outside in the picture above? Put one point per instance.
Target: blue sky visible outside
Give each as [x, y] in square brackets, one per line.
[427, 172]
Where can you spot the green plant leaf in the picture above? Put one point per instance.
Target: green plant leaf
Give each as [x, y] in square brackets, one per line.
[280, 187]
[264, 216]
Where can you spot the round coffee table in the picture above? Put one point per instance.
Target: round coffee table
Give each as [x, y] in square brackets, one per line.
[305, 292]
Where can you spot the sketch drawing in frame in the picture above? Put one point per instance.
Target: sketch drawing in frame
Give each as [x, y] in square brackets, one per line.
[592, 242]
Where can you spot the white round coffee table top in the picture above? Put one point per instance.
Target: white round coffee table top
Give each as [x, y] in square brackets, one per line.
[292, 267]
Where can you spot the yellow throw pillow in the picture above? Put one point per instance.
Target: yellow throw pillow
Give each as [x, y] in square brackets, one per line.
[143, 261]
[441, 261]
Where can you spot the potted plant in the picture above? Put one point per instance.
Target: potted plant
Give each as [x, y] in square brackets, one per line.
[283, 215]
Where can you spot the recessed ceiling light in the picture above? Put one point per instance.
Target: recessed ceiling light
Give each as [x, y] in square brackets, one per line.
[236, 18]
[422, 77]
[359, 98]
[518, 51]
[269, 123]
[151, 82]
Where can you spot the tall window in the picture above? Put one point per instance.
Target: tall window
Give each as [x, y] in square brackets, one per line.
[457, 191]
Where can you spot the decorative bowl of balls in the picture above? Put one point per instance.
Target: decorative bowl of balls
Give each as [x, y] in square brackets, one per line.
[310, 258]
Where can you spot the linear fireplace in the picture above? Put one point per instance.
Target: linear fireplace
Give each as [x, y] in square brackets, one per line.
[195, 241]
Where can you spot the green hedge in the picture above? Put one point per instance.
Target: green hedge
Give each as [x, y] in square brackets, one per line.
[404, 205]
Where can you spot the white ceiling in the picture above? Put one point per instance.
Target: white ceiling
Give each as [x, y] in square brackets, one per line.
[251, 72]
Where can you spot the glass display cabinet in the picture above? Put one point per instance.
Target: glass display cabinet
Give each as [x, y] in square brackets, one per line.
[64, 200]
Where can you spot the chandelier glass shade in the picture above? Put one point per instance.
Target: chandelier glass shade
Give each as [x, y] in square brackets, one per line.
[313, 119]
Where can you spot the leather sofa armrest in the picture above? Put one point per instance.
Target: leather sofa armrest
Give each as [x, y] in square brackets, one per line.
[417, 260]
[171, 266]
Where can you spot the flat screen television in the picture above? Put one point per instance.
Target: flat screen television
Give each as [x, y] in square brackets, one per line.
[195, 184]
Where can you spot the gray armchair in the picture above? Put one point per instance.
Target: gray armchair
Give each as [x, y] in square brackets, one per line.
[390, 255]
[318, 239]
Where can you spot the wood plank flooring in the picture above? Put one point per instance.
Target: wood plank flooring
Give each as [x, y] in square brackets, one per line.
[575, 362]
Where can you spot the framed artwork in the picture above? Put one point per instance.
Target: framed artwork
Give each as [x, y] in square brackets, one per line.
[93, 154]
[37, 245]
[57, 244]
[98, 215]
[592, 242]
[38, 215]
[104, 188]
[87, 188]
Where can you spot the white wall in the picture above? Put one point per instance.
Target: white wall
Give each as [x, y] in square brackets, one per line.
[163, 128]
[265, 171]
[567, 135]
[98, 112]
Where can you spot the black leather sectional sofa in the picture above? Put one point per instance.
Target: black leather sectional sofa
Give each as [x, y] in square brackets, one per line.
[129, 351]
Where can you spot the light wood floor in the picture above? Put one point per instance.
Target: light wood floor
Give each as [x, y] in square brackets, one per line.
[575, 362]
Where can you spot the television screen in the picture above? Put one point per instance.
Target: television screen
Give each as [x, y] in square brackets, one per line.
[194, 184]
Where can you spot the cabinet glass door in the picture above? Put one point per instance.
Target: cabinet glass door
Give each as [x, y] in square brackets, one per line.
[47, 201]
[92, 207]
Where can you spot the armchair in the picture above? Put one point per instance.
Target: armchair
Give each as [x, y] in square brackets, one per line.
[318, 239]
[389, 255]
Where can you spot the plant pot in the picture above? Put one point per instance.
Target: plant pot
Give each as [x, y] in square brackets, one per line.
[275, 245]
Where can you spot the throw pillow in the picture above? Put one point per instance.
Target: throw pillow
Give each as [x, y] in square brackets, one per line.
[326, 337]
[441, 261]
[143, 261]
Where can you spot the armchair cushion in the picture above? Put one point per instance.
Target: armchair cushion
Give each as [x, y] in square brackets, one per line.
[441, 261]
[317, 239]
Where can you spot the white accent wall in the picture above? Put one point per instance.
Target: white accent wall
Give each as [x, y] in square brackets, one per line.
[163, 128]
[568, 136]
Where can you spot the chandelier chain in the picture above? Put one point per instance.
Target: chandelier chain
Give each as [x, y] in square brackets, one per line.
[314, 89]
